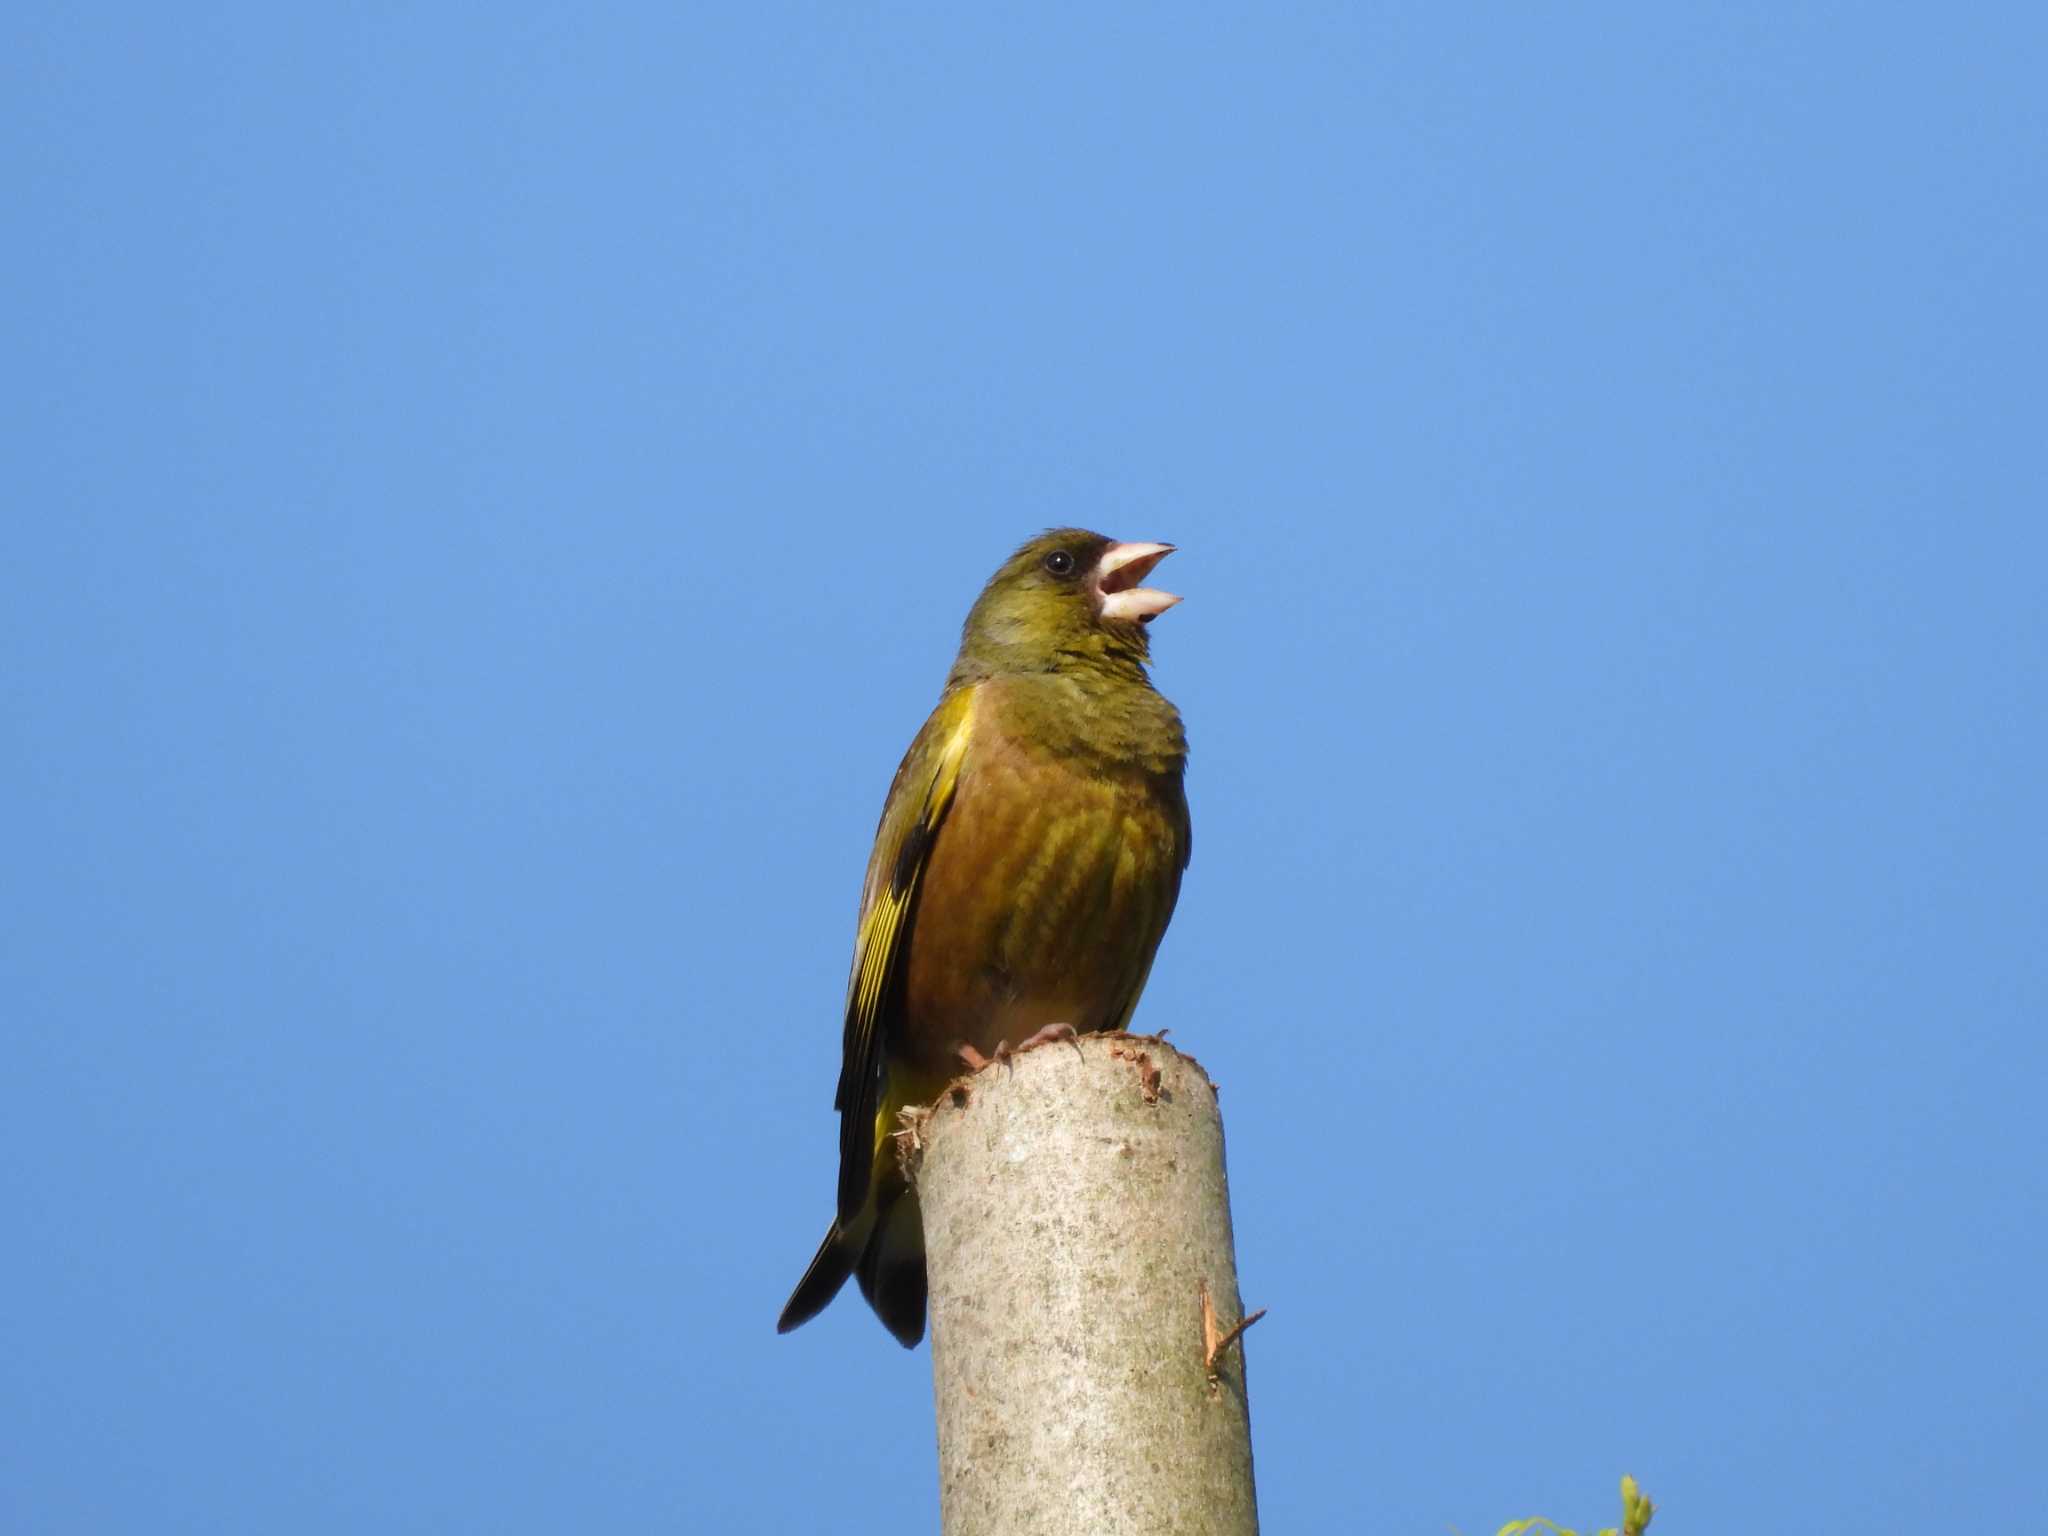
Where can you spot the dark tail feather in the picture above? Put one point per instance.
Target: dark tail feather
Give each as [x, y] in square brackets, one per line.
[892, 1269]
[821, 1281]
[887, 1252]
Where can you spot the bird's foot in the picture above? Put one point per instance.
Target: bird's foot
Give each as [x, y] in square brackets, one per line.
[974, 1061]
[1006, 1053]
[1052, 1034]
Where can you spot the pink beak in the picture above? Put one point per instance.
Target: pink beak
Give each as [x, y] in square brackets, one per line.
[1117, 575]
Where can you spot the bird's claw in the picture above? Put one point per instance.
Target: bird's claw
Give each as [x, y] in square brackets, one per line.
[1052, 1034]
[1006, 1053]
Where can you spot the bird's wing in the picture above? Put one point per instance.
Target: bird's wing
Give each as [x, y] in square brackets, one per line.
[917, 805]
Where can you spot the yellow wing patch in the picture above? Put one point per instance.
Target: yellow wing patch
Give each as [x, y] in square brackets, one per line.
[902, 850]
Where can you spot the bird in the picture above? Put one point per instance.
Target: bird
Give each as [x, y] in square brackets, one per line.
[1028, 859]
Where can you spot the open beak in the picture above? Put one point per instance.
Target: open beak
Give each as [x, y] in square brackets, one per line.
[1117, 575]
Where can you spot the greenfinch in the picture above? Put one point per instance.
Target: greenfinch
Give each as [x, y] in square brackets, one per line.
[1029, 856]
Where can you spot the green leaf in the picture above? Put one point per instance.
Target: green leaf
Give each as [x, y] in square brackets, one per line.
[1636, 1508]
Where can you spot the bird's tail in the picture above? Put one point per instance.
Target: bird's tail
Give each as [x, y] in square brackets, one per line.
[884, 1249]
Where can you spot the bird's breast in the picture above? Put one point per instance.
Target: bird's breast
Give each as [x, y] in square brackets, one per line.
[1047, 890]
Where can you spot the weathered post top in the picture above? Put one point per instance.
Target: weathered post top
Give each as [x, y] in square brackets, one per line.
[1083, 1297]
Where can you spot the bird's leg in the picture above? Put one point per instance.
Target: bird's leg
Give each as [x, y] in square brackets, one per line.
[1051, 1034]
[1002, 1058]
[974, 1061]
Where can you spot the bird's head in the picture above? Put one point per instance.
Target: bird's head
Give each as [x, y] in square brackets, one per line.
[1067, 595]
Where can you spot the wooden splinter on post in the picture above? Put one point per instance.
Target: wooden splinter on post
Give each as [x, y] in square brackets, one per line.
[1213, 1343]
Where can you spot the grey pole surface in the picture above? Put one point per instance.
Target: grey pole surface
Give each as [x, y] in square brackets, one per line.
[1083, 1293]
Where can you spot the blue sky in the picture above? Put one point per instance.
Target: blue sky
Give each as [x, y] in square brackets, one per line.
[494, 491]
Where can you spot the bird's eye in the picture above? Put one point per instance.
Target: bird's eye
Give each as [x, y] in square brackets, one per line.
[1060, 562]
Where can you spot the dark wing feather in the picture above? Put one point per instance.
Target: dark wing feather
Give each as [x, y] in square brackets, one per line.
[911, 818]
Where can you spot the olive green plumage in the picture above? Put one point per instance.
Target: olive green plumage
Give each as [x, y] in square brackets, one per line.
[1028, 859]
